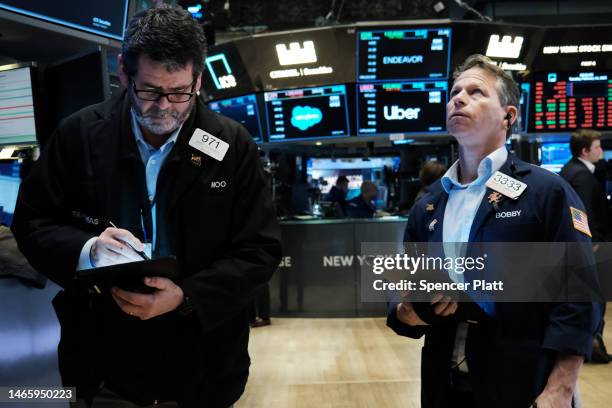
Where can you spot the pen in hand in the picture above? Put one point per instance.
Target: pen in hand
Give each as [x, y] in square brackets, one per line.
[142, 254]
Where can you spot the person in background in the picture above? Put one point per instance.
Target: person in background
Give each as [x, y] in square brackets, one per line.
[259, 315]
[337, 196]
[363, 206]
[585, 146]
[431, 172]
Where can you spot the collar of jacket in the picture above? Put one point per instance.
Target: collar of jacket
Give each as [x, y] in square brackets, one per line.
[513, 166]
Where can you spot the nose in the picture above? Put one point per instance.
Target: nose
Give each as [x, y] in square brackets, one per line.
[163, 103]
[459, 99]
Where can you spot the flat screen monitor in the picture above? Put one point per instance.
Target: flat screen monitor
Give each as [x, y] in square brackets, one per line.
[17, 113]
[225, 74]
[607, 154]
[400, 55]
[243, 110]
[568, 101]
[106, 18]
[74, 84]
[9, 187]
[300, 58]
[553, 156]
[401, 107]
[355, 169]
[524, 107]
[306, 114]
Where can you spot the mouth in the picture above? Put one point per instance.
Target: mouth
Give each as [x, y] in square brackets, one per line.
[458, 114]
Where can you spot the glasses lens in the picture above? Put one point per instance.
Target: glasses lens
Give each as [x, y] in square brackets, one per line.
[147, 95]
[179, 97]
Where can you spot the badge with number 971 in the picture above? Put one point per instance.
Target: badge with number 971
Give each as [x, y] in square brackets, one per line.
[208, 144]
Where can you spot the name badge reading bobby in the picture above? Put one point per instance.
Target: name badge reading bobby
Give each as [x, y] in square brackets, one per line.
[208, 144]
[508, 186]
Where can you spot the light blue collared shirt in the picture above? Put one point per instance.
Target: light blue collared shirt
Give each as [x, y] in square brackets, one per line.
[462, 206]
[153, 159]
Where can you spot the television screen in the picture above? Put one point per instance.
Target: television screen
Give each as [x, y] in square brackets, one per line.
[225, 74]
[74, 84]
[17, 118]
[568, 101]
[402, 107]
[524, 107]
[300, 58]
[9, 187]
[106, 18]
[553, 156]
[243, 110]
[308, 113]
[399, 55]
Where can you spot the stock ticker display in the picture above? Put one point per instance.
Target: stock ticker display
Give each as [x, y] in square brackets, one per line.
[402, 107]
[307, 113]
[567, 101]
[243, 110]
[400, 55]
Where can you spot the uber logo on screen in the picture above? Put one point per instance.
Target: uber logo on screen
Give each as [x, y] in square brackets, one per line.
[306, 54]
[506, 48]
[225, 81]
[397, 113]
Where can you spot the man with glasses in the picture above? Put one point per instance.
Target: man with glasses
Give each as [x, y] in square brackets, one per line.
[154, 169]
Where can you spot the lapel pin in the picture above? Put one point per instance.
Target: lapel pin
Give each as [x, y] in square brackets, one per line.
[429, 207]
[432, 224]
[495, 198]
[196, 160]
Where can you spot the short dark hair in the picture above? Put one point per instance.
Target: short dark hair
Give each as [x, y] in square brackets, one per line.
[342, 179]
[583, 139]
[431, 172]
[507, 89]
[167, 35]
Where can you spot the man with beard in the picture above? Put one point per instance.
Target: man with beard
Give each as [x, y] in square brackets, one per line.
[153, 166]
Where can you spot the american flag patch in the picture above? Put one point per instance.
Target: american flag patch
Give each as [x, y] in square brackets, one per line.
[581, 223]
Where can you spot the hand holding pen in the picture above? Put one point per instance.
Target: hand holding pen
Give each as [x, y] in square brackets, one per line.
[116, 246]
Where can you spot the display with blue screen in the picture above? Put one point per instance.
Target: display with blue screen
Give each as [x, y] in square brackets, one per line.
[524, 107]
[403, 107]
[308, 113]
[243, 110]
[553, 156]
[9, 187]
[106, 18]
[396, 55]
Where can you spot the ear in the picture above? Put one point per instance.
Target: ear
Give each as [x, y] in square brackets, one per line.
[513, 112]
[122, 75]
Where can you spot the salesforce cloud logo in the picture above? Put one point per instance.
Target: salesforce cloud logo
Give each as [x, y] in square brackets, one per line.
[304, 117]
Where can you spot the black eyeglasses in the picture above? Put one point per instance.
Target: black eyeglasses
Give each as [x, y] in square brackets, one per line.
[174, 97]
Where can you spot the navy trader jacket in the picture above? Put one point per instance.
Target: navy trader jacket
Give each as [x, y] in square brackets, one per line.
[217, 218]
[510, 357]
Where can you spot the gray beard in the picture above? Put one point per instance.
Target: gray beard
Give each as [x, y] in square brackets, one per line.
[147, 123]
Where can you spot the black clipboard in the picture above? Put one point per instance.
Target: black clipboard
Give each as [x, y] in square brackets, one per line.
[128, 276]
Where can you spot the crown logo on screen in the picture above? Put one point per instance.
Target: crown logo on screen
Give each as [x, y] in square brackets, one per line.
[506, 48]
[305, 54]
